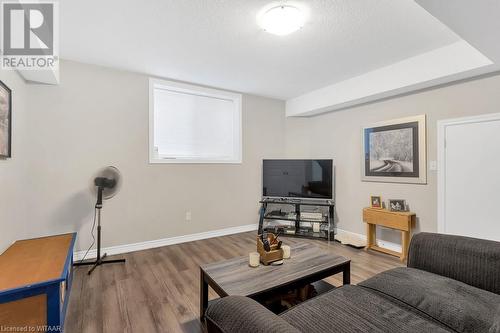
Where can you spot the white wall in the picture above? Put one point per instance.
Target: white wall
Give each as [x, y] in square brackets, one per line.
[13, 172]
[99, 116]
[337, 135]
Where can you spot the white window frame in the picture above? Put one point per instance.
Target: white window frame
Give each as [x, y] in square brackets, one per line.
[196, 90]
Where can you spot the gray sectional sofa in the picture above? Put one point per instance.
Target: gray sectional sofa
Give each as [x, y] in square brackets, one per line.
[451, 284]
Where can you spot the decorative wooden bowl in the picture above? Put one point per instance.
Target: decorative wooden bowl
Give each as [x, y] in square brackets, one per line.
[275, 254]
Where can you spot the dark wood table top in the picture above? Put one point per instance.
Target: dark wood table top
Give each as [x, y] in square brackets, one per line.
[236, 277]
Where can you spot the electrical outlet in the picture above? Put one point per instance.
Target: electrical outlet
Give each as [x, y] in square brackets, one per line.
[188, 216]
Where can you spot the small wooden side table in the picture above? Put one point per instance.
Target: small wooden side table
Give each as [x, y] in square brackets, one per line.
[402, 221]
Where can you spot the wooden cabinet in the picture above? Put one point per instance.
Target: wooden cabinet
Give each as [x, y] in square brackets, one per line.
[35, 282]
[402, 221]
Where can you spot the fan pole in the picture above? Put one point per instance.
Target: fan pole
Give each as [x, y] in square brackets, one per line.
[98, 233]
[99, 260]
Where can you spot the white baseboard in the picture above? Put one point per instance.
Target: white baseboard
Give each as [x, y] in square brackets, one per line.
[119, 249]
[388, 245]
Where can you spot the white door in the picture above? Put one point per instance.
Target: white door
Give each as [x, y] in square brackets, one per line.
[469, 177]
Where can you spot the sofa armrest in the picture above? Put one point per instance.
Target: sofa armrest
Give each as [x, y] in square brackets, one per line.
[469, 260]
[238, 314]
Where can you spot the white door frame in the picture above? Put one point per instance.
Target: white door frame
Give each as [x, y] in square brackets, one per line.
[441, 151]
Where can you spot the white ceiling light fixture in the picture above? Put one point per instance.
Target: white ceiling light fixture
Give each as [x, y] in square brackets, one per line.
[282, 18]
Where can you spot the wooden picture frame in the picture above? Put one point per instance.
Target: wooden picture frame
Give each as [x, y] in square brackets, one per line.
[5, 121]
[376, 202]
[395, 151]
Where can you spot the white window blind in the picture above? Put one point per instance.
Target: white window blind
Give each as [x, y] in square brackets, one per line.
[192, 124]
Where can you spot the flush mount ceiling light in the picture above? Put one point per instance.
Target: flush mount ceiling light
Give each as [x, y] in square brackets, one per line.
[281, 19]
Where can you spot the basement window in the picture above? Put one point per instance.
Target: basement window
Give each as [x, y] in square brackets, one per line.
[191, 124]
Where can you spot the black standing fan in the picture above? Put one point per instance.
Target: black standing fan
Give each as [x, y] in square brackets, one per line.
[105, 185]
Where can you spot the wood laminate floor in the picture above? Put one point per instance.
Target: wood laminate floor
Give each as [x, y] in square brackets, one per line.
[157, 290]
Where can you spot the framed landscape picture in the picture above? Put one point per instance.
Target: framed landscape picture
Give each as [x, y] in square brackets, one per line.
[5, 121]
[395, 151]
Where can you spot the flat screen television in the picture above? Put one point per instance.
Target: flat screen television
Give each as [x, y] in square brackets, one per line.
[312, 179]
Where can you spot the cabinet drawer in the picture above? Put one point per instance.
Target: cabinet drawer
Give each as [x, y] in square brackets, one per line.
[387, 219]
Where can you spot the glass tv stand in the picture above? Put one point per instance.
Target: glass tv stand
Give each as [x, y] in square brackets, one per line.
[304, 218]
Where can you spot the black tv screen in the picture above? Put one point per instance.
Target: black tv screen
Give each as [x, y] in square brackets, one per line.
[298, 178]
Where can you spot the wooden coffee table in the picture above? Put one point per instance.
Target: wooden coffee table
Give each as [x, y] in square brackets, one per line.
[308, 264]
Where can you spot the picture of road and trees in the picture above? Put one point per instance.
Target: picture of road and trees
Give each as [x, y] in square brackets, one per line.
[394, 151]
[391, 151]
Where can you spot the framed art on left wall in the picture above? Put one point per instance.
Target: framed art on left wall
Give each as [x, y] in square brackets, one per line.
[5, 121]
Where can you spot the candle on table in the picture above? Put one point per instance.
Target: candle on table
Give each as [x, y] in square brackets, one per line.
[254, 259]
[286, 251]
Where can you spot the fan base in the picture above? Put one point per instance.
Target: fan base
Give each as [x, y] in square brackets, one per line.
[98, 262]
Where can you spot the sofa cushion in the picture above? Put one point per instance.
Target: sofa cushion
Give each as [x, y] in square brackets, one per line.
[356, 309]
[469, 260]
[495, 328]
[238, 314]
[458, 305]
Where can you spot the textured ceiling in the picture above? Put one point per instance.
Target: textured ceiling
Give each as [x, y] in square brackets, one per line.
[218, 43]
